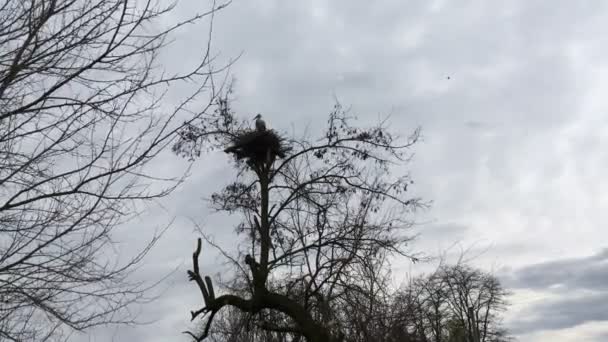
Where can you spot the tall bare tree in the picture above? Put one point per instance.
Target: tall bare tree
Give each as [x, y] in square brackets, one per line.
[476, 299]
[315, 213]
[80, 118]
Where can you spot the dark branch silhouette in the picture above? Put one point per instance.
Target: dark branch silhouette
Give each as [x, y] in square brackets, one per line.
[80, 121]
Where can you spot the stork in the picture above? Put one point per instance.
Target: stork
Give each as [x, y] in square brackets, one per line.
[260, 125]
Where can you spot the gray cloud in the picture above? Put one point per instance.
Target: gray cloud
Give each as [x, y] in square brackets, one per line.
[564, 313]
[602, 337]
[586, 273]
[579, 287]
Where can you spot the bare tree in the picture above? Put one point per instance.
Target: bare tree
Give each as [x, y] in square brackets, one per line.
[315, 213]
[80, 118]
[456, 303]
[476, 299]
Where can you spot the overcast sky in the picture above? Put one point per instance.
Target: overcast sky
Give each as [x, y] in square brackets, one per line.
[511, 97]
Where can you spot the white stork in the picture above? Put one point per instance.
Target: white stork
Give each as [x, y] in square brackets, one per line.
[260, 125]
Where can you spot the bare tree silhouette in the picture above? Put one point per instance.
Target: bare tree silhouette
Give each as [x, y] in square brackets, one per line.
[80, 118]
[314, 218]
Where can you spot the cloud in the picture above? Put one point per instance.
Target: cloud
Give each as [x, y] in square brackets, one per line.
[588, 332]
[583, 273]
[564, 313]
[574, 292]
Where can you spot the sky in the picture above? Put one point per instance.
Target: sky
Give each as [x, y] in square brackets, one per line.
[511, 100]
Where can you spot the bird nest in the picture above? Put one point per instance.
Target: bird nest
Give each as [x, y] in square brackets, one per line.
[258, 146]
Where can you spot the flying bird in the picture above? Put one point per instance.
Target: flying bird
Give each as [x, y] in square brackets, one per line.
[260, 125]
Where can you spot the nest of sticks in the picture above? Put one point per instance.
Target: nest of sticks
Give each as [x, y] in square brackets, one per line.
[258, 146]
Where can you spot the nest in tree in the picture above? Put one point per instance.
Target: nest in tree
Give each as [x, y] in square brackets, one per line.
[258, 146]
